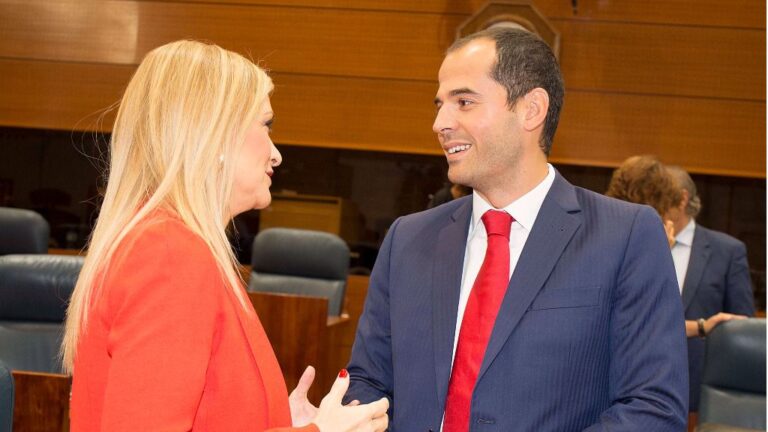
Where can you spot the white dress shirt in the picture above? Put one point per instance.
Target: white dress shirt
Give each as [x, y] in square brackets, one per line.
[524, 210]
[681, 252]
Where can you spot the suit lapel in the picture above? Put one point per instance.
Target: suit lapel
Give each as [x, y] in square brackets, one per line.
[446, 276]
[554, 227]
[700, 252]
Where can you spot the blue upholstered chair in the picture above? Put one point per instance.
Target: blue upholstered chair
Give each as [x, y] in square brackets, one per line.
[733, 384]
[22, 232]
[302, 262]
[6, 399]
[34, 291]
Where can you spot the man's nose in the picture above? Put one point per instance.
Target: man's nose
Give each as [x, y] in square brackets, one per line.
[444, 120]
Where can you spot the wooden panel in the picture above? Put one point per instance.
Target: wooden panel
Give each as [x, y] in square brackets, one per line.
[41, 402]
[396, 116]
[705, 136]
[460, 7]
[301, 335]
[686, 61]
[50, 95]
[295, 326]
[376, 44]
[733, 13]
[651, 59]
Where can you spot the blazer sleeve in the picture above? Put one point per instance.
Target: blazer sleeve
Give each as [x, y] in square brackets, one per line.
[370, 367]
[739, 298]
[648, 369]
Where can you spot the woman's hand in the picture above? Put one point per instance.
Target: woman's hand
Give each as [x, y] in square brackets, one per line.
[332, 416]
[302, 410]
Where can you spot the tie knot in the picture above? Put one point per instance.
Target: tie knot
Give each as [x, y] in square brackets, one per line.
[497, 223]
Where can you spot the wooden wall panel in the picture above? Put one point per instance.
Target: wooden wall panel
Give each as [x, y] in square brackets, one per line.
[602, 129]
[664, 60]
[686, 61]
[53, 95]
[352, 43]
[652, 76]
[719, 13]
[596, 128]
[733, 13]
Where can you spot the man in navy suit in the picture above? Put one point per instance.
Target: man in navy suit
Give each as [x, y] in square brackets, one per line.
[713, 275]
[532, 305]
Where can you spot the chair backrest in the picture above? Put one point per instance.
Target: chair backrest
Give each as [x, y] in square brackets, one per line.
[733, 384]
[34, 291]
[303, 262]
[6, 399]
[22, 232]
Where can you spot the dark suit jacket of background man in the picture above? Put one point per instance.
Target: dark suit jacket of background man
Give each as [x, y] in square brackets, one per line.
[717, 280]
[590, 331]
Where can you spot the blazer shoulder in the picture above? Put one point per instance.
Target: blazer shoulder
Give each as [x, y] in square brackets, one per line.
[437, 215]
[161, 235]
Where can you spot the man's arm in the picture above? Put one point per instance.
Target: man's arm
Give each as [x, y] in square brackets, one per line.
[370, 368]
[649, 372]
[739, 298]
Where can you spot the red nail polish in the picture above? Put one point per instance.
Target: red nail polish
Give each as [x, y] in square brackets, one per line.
[343, 373]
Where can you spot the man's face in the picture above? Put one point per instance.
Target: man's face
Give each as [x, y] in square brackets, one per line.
[478, 132]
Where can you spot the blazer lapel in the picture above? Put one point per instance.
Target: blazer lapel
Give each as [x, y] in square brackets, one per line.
[264, 358]
[446, 285]
[556, 223]
[700, 251]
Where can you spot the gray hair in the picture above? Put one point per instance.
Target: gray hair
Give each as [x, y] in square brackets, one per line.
[686, 183]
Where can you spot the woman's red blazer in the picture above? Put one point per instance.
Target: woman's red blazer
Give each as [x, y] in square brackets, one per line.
[168, 346]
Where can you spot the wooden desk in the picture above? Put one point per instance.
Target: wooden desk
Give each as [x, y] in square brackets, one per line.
[302, 334]
[41, 402]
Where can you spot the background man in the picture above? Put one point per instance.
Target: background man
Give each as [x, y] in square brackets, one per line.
[531, 305]
[713, 275]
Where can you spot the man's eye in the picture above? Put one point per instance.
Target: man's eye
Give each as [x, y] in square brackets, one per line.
[464, 102]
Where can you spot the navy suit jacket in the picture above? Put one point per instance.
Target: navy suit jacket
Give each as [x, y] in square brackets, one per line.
[717, 280]
[589, 336]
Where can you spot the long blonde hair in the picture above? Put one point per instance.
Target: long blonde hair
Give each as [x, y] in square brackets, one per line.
[177, 132]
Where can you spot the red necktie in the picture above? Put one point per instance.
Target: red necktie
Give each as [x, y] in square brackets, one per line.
[479, 317]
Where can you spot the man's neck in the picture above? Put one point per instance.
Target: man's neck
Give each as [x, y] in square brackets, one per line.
[681, 223]
[503, 193]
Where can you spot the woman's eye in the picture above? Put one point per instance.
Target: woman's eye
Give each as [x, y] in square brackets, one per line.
[268, 124]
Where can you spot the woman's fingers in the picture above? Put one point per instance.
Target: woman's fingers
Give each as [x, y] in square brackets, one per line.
[305, 382]
[338, 389]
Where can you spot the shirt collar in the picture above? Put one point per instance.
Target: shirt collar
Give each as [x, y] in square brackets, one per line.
[524, 209]
[685, 237]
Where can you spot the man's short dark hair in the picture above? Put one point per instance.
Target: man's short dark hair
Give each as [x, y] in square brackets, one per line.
[523, 63]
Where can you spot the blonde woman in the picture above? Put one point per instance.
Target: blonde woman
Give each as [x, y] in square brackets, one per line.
[160, 334]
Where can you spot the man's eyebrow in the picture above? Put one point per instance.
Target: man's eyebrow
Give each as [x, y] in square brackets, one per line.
[458, 92]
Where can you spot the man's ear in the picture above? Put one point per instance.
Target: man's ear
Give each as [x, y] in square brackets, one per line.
[534, 108]
[684, 200]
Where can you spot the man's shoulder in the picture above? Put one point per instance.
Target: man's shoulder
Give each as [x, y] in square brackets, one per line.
[719, 239]
[594, 204]
[443, 212]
